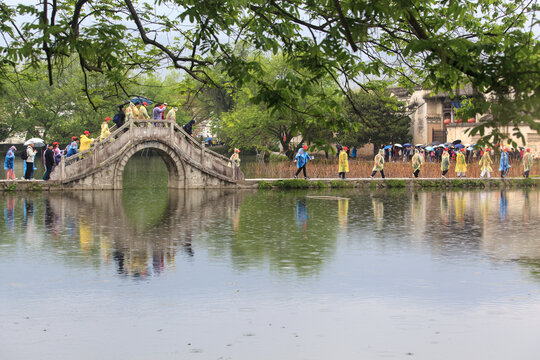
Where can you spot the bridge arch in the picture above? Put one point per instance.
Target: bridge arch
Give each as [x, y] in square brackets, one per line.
[175, 165]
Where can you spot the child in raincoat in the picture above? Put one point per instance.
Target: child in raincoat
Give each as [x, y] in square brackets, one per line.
[485, 164]
[301, 160]
[343, 163]
[504, 166]
[235, 159]
[379, 164]
[527, 163]
[461, 164]
[416, 163]
[445, 163]
[9, 164]
[105, 132]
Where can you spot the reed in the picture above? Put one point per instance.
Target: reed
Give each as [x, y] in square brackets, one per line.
[362, 169]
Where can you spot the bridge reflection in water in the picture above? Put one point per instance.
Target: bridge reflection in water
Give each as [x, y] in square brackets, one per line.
[288, 231]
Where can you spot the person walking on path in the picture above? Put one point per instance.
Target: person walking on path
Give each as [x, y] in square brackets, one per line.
[234, 160]
[48, 159]
[485, 164]
[30, 155]
[504, 165]
[445, 163]
[416, 162]
[527, 163]
[379, 164]
[86, 141]
[105, 131]
[461, 164]
[189, 127]
[9, 164]
[343, 163]
[301, 160]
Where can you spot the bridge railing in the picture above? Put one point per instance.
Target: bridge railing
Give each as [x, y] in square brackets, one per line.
[91, 157]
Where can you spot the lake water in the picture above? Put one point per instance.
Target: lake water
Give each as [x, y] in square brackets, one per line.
[148, 273]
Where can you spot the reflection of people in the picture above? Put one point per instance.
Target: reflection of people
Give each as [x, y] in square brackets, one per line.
[343, 212]
[378, 210]
[9, 214]
[503, 206]
[301, 213]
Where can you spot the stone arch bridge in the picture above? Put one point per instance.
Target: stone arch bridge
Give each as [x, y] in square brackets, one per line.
[189, 163]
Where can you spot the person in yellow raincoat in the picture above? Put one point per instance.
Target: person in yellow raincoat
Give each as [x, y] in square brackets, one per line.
[445, 163]
[234, 160]
[461, 164]
[527, 163]
[105, 132]
[343, 163]
[86, 141]
[485, 164]
[171, 115]
[379, 164]
[416, 162]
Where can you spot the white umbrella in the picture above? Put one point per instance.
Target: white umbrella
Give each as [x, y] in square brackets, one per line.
[419, 144]
[36, 141]
[398, 145]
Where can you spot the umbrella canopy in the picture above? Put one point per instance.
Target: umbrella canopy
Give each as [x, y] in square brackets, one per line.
[407, 144]
[429, 148]
[455, 142]
[36, 141]
[447, 143]
[387, 147]
[470, 148]
[441, 145]
[459, 146]
[419, 145]
[140, 100]
[398, 145]
[433, 143]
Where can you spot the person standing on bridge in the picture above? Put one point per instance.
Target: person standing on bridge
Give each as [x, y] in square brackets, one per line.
[379, 164]
[189, 127]
[461, 164]
[86, 141]
[171, 115]
[343, 163]
[158, 112]
[73, 148]
[485, 164]
[527, 163]
[48, 160]
[9, 164]
[301, 160]
[105, 132]
[234, 160]
[416, 162]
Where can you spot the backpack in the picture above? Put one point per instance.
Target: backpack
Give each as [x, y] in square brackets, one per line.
[116, 118]
[24, 155]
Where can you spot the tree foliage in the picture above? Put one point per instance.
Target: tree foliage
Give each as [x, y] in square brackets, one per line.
[439, 44]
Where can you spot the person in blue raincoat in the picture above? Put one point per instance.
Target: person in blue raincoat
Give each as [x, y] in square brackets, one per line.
[504, 166]
[301, 159]
[73, 148]
[9, 164]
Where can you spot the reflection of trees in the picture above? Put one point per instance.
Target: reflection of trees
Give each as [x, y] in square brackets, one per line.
[271, 229]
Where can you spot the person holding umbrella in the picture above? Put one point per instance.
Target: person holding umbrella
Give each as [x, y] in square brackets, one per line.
[30, 155]
[485, 164]
[9, 164]
[416, 162]
[527, 163]
[461, 164]
[445, 163]
[379, 164]
[504, 165]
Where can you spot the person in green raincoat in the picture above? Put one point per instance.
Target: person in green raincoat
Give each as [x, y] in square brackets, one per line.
[445, 163]
[416, 162]
[461, 164]
[527, 163]
[485, 164]
[343, 163]
[379, 164]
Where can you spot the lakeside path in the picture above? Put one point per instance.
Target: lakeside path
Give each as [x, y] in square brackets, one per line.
[317, 183]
